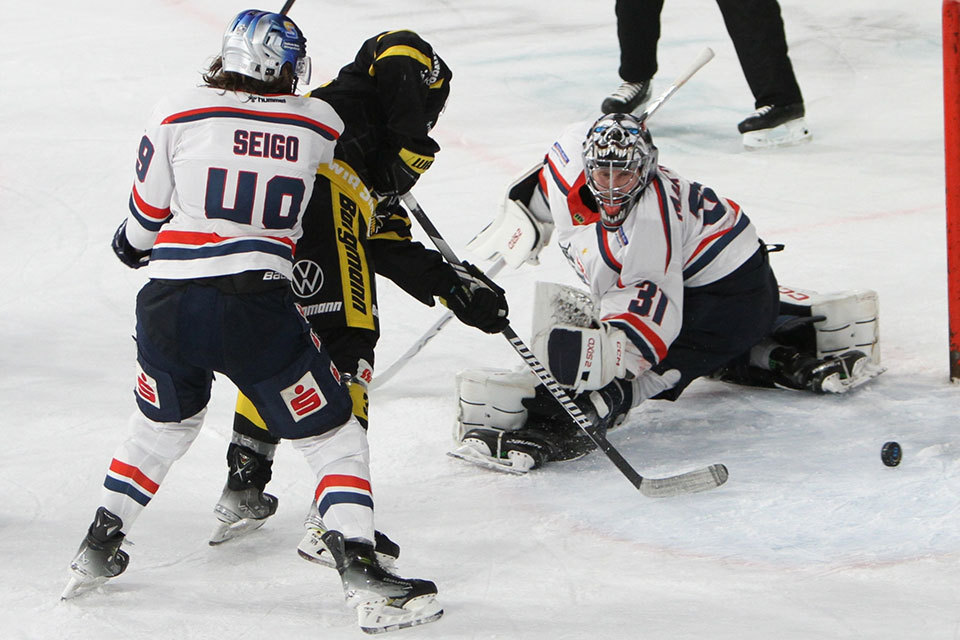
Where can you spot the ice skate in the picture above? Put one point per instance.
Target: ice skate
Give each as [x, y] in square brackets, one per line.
[240, 512]
[510, 451]
[384, 602]
[831, 375]
[313, 548]
[99, 557]
[628, 97]
[775, 126]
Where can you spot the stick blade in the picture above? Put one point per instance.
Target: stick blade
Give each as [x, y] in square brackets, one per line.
[691, 482]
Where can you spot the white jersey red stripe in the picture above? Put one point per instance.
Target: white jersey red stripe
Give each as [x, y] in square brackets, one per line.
[243, 212]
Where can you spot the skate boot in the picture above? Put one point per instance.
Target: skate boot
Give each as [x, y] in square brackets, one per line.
[830, 375]
[628, 97]
[313, 548]
[243, 506]
[384, 602]
[240, 512]
[99, 557]
[775, 126]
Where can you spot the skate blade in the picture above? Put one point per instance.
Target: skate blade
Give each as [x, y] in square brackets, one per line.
[231, 531]
[374, 618]
[80, 585]
[861, 374]
[471, 455]
[787, 134]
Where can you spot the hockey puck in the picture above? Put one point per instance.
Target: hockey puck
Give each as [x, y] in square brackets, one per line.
[891, 454]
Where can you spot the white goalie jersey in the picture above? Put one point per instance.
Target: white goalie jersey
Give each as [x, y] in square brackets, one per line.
[678, 234]
[242, 211]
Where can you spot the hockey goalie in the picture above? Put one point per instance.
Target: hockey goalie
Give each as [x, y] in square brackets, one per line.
[678, 286]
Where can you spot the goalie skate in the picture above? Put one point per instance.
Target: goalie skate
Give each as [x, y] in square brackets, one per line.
[384, 601]
[856, 369]
[469, 454]
[240, 512]
[515, 452]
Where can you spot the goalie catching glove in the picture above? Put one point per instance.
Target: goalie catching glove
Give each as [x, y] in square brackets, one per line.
[476, 300]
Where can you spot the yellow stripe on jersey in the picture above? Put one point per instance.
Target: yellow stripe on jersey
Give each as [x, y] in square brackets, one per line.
[416, 161]
[403, 50]
[352, 208]
[389, 235]
[246, 409]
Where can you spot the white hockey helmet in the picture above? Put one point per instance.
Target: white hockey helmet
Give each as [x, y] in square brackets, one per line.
[619, 160]
[258, 43]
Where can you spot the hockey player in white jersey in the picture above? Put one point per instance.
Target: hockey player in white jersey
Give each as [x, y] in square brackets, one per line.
[223, 175]
[680, 287]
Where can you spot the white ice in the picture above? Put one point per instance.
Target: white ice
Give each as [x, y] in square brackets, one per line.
[811, 538]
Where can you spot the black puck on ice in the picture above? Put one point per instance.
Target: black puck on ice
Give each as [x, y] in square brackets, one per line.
[891, 454]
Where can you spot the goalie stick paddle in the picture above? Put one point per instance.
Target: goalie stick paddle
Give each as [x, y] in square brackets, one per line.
[380, 378]
[705, 56]
[690, 482]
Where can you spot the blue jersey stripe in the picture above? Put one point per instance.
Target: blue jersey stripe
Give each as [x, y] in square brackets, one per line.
[147, 223]
[250, 115]
[332, 498]
[163, 252]
[127, 489]
[719, 245]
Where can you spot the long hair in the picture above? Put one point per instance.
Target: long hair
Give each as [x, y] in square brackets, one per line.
[216, 78]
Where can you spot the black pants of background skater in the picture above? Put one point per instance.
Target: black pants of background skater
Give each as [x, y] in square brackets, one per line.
[755, 27]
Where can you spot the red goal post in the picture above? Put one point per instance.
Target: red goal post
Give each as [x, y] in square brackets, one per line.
[951, 125]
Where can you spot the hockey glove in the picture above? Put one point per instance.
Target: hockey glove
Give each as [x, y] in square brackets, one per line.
[607, 408]
[587, 358]
[397, 173]
[476, 301]
[126, 252]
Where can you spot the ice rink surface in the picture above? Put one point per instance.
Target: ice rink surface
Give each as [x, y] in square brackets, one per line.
[811, 538]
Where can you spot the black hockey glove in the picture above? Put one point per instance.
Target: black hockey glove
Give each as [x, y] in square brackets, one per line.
[606, 408]
[128, 254]
[477, 302]
[393, 176]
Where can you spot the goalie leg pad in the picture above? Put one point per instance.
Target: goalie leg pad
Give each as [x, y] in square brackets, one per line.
[841, 322]
[492, 398]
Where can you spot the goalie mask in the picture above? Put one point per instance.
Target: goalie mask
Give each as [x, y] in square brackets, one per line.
[619, 160]
[257, 44]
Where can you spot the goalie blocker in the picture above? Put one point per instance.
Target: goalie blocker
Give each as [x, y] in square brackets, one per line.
[507, 421]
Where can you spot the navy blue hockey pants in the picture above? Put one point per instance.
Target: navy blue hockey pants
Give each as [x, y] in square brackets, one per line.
[188, 329]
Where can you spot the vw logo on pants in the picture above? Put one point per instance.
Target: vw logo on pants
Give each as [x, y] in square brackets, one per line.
[307, 278]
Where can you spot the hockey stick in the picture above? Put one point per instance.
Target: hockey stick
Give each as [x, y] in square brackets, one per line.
[380, 378]
[690, 482]
[705, 56]
[286, 7]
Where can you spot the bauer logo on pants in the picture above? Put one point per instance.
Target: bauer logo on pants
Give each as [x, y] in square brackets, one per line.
[147, 388]
[303, 397]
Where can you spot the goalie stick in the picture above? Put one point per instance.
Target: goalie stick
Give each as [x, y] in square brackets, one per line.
[705, 56]
[690, 482]
[380, 378]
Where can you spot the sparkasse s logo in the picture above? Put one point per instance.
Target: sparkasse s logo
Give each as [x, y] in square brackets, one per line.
[303, 397]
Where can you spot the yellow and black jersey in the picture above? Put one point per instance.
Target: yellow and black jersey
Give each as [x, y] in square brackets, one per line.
[389, 97]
